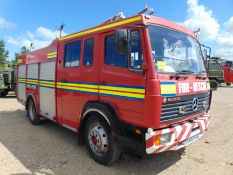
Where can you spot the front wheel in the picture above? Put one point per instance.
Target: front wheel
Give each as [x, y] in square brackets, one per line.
[100, 142]
[31, 113]
[213, 85]
[228, 84]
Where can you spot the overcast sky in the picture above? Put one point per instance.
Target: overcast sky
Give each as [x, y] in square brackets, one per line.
[26, 21]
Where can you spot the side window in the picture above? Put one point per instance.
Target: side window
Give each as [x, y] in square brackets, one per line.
[88, 52]
[230, 70]
[111, 57]
[136, 56]
[72, 54]
[120, 60]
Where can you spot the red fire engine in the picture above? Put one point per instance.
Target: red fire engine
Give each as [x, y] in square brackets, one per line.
[228, 73]
[137, 84]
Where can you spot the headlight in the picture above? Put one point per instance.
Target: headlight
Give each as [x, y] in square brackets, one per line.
[165, 138]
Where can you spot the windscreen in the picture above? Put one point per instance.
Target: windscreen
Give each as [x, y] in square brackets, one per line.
[175, 52]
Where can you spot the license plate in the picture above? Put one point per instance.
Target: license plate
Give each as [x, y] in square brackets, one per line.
[190, 140]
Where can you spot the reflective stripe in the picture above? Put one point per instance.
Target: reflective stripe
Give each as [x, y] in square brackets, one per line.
[142, 91]
[19, 61]
[52, 55]
[47, 85]
[47, 82]
[32, 81]
[121, 91]
[126, 21]
[124, 94]
[178, 133]
[22, 80]
[168, 88]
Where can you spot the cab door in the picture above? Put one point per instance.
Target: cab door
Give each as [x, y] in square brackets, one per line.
[68, 79]
[90, 70]
[121, 84]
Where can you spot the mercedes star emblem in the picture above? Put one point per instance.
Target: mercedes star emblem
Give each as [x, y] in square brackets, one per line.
[195, 105]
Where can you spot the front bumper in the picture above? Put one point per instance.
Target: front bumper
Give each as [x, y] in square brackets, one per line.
[181, 135]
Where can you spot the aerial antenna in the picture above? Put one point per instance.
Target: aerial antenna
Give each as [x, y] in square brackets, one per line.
[31, 46]
[60, 28]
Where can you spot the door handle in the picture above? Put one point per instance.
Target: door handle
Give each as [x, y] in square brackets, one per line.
[65, 81]
[104, 83]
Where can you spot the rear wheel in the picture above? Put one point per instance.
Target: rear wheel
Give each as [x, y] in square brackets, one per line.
[100, 142]
[31, 113]
[4, 93]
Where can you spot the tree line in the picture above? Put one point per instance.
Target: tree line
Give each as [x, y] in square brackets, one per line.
[5, 63]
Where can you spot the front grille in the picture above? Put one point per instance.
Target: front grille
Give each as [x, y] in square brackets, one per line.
[171, 111]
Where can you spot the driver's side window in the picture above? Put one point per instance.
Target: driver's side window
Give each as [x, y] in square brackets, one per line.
[230, 70]
[120, 60]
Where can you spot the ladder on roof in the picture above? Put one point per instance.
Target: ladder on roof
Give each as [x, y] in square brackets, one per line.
[121, 15]
[150, 10]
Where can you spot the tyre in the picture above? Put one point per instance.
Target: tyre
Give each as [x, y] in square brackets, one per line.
[100, 143]
[4, 93]
[228, 84]
[31, 113]
[213, 85]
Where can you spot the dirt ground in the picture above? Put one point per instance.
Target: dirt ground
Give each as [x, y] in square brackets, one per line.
[50, 149]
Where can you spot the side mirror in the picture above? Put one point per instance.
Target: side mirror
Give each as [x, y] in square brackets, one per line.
[122, 41]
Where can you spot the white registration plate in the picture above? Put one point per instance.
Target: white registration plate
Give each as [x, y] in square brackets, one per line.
[190, 140]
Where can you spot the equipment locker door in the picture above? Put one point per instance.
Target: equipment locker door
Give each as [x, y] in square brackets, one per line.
[21, 91]
[120, 86]
[46, 89]
[68, 79]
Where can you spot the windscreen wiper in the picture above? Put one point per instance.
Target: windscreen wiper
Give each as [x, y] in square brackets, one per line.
[184, 72]
[179, 74]
[199, 75]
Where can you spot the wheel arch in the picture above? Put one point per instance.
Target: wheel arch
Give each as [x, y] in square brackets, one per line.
[106, 111]
[31, 96]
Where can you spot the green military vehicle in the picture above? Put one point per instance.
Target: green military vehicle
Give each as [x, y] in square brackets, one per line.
[7, 82]
[2, 86]
[214, 68]
[216, 72]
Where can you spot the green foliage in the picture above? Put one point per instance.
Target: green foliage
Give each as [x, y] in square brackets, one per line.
[12, 64]
[23, 50]
[6, 64]
[3, 55]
